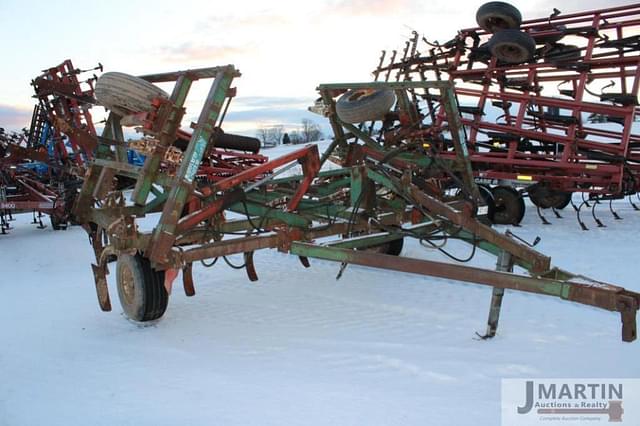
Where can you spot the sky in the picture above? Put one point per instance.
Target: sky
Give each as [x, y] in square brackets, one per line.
[283, 48]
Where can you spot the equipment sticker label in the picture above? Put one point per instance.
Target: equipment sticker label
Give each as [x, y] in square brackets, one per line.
[196, 158]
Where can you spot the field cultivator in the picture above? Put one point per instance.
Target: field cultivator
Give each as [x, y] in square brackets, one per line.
[548, 105]
[29, 181]
[357, 214]
[41, 170]
[65, 102]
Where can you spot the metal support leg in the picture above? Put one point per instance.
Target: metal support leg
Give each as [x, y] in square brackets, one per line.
[504, 264]
[3, 224]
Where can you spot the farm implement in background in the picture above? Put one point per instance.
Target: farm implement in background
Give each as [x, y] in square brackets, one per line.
[548, 105]
[358, 214]
[43, 168]
[30, 180]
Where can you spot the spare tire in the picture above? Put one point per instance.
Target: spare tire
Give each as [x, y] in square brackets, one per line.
[512, 46]
[357, 106]
[496, 16]
[126, 94]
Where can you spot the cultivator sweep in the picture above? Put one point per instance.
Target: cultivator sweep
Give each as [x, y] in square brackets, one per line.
[359, 213]
[548, 104]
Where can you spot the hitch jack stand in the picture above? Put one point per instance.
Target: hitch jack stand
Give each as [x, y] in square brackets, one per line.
[504, 264]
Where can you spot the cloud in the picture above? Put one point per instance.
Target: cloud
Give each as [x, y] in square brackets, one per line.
[14, 117]
[260, 111]
[543, 8]
[192, 52]
[271, 102]
[278, 113]
[246, 21]
[354, 8]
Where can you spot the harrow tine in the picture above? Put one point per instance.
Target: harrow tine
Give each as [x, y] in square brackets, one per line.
[40, 224]
[582, 225]
[576, 208]
[541, 216]
[305, 261]
[7, 219]
[3, 224]
[634, 205]
[555, 212]
[586, 203]
[593, 214]
[616, 216]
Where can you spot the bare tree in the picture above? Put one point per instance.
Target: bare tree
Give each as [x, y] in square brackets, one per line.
[310, 131]
[270, 136]
[263, 134]
[275, 134]
[295, 137]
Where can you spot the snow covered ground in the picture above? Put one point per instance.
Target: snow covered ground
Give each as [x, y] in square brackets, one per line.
[298, 347]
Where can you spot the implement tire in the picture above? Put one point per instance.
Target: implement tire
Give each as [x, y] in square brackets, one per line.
[140, 288]
[126, 94]
[496, 16]
[512, 46]
[546, 198]
[357, 106]
[510, 207]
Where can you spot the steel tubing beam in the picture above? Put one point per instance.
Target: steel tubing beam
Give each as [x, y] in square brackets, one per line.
[608, 297]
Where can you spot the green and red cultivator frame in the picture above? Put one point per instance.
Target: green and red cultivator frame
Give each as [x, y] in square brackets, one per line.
[359, 213]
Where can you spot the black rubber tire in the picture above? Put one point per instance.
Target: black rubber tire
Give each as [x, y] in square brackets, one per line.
[393, 248]
[510, 207]
[562, 54]
[566, 202]
[57, 223]
[512, 46]
[497, 15]
[490, 203]
[357, 106]
[126, 94]
[480, 53]
[546, 198]
[551, 38]
[141, 290]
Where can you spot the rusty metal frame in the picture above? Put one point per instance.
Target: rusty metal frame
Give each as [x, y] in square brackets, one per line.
[290, 213]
